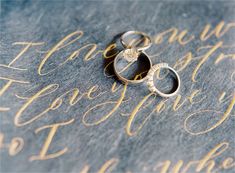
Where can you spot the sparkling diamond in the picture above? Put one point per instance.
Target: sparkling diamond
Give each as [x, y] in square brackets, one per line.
[130, 55]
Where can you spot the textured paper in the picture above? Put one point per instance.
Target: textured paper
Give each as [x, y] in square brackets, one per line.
[62, 110]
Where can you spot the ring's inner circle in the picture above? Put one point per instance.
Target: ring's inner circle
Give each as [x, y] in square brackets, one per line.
[136, 40]
[165, 80]
[133, 70]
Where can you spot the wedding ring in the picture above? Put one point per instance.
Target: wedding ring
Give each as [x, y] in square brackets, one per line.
[150, 82]
[134, 43]
[130, 56]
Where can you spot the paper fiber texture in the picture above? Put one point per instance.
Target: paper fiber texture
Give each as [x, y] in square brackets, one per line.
[63, 110]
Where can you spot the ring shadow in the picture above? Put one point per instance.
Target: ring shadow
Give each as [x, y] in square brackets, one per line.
[108, 62]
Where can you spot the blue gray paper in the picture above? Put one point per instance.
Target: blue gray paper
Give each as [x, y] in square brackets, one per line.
[163, 137]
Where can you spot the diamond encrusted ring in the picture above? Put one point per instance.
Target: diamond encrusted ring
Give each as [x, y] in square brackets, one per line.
[150, 82]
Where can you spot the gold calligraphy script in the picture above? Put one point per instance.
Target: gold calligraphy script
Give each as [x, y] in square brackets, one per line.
[117, 95]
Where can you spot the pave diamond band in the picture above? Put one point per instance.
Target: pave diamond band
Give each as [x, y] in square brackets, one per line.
[150, 82]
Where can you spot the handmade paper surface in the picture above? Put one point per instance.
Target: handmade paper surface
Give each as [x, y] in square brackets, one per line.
[63, 110]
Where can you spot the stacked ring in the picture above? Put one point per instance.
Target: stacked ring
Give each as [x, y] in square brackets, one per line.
[132, 53]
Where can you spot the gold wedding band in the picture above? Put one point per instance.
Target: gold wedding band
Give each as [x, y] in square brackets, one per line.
[146, 39]
[130, 59]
